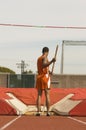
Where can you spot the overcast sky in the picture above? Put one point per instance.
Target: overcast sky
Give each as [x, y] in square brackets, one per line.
[18, 43]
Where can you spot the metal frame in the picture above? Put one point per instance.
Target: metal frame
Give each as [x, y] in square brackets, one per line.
[69, 43]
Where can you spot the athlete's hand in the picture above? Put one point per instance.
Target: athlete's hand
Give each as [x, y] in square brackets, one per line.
[53, 60]
[50, 72]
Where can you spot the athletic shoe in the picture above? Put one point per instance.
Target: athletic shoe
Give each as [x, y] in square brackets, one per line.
[48, 114]
[37, 114]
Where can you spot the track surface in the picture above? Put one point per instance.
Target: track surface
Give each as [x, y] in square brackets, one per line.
[42, 123]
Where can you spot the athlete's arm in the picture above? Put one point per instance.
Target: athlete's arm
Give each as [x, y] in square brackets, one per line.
[46, 63]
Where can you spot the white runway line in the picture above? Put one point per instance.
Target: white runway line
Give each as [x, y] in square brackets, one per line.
[82, 122]
[9, 123]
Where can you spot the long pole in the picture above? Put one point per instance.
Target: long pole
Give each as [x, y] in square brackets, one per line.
[55, 58]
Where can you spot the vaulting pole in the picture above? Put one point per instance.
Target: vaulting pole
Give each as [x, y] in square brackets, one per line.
[55, 58]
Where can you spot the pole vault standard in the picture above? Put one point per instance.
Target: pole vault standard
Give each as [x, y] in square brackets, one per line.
[69, 43]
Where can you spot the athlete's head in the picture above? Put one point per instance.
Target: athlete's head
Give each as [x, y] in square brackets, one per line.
[45, 50]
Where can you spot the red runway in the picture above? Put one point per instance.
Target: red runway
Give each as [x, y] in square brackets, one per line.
[42, 123]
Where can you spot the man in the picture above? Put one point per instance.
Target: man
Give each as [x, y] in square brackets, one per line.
[43, 79]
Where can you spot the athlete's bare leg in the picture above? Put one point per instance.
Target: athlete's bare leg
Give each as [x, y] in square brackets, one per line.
[47, 95]
[39, 102]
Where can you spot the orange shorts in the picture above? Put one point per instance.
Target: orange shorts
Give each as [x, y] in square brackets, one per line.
[43, 81]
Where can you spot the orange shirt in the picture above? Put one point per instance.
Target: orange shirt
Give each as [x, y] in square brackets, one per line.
[43, 74]
[41, 70]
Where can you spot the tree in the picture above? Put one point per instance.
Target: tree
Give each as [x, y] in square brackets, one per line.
[6, 70]
[28, 72]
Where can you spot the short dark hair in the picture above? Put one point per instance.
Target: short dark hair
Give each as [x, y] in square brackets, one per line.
[45, 49]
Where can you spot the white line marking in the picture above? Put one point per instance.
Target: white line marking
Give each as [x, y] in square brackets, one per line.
[9, 123]
[77, 120]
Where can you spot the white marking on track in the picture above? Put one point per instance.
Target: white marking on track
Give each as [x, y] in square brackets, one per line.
[9, 123]
[82, 122]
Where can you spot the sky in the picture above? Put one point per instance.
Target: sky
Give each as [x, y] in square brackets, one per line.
[19, 43]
